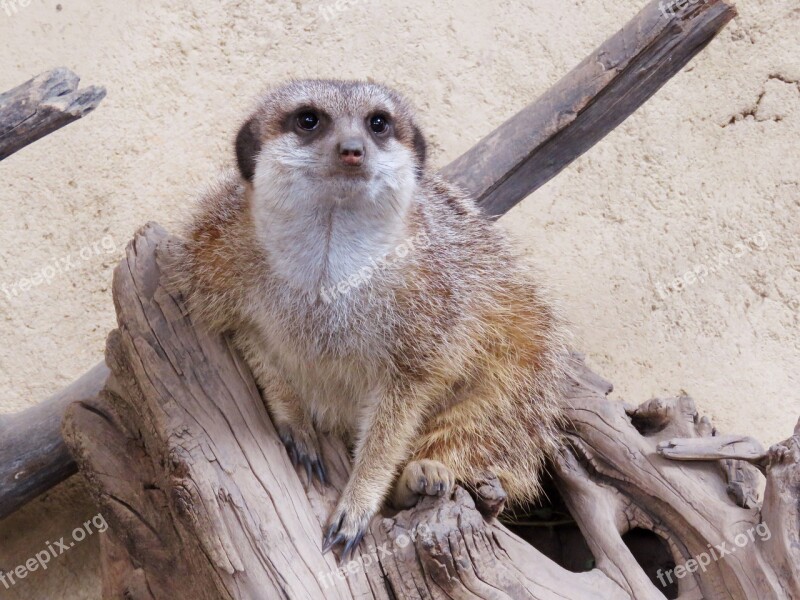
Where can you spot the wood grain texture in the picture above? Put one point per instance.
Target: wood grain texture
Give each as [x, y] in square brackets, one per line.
[41, 106]
[203, 501]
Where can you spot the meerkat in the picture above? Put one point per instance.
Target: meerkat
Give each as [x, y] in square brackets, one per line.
[371, 299]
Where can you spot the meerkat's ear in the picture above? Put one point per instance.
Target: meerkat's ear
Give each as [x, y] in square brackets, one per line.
[421, 148]
[248, 145]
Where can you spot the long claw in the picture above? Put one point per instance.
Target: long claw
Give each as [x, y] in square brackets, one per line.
[332, 535]
[312, 467]
[307, 463]
[351, 546]
[293, 455]
[331, 540]
[322, 474]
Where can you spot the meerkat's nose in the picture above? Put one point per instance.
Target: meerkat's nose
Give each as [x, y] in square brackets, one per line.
[351, 152]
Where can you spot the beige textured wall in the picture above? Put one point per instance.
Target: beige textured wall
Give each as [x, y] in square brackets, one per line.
[709, 163]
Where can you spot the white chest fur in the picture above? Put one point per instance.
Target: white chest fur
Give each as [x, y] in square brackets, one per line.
[317, 232]
[319, 235]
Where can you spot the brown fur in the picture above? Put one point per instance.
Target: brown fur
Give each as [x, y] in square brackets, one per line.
[449, 354]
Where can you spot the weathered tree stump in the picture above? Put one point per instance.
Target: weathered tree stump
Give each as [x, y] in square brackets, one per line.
[203, 501]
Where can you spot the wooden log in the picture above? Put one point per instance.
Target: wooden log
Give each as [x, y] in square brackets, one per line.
[533, 146]
[188, 469]
[33, 457]
[41, 106]
[203, 501]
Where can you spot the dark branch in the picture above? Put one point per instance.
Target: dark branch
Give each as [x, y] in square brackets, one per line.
[533, 146]
[33, 457]
[41, 106]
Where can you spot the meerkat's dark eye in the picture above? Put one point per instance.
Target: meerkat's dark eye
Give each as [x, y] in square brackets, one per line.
[307, 120]
[378, 124]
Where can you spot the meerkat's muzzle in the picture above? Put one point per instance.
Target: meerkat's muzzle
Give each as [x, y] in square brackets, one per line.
[351, 152]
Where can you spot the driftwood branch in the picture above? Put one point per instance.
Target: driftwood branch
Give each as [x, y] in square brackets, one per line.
[204, 502]
[33, 457]
[41, 106]
[733, 447]
[616, 479]
[534, 146]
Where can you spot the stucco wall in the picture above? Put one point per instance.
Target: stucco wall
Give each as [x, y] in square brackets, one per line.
[709, 163]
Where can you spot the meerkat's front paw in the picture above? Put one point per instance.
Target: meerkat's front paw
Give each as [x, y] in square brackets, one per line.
[422, 478]
[348, 525]
[304, 448]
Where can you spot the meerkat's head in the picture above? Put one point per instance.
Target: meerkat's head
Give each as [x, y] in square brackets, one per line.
[323, 143]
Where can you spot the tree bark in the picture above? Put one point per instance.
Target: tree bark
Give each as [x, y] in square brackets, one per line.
[203, 501]
[41, 106]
